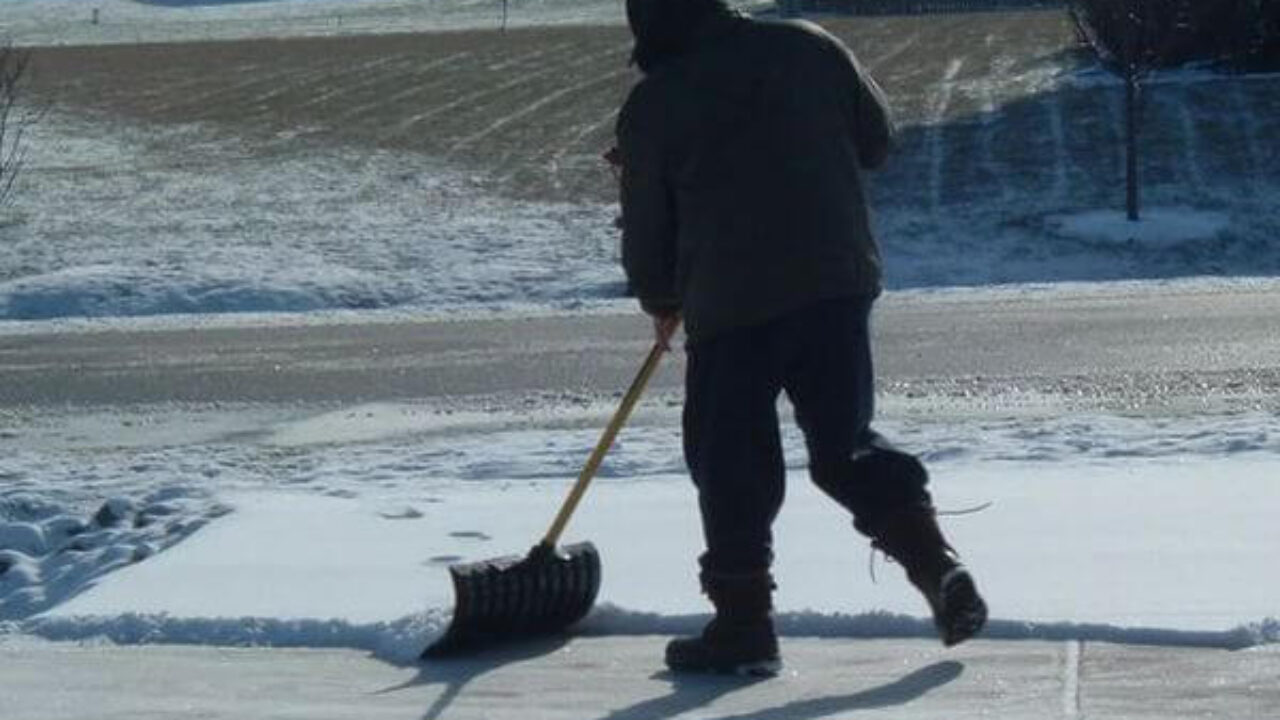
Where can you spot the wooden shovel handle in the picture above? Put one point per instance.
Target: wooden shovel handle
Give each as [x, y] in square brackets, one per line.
[602, 448]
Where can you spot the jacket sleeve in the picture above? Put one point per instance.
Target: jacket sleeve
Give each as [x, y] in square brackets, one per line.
[648, 215]
[867, 110]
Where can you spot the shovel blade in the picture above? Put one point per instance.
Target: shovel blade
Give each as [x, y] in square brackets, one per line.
[513, 597]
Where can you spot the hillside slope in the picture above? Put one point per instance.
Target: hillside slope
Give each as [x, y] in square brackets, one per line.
[1007, 130]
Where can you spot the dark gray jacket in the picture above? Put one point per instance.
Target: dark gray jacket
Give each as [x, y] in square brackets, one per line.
[742, 190]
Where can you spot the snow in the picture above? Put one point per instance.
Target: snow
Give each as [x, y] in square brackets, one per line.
[148, 236]
[32, 22]
[53, 554]
[336, 530]
[1167, 226]
[298, 527]
[146, 233]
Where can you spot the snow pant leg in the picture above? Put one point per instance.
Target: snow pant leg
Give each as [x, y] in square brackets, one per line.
[733, 447]
[830, 382]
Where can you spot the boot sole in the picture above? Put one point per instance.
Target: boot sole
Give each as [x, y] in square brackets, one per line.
[964, 613]
[763, 669]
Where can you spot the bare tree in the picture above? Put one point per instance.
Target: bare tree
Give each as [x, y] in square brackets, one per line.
[1133, 69]
[15, 119]
[1133, 38]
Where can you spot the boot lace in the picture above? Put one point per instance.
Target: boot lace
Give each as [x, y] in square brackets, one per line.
[877, 548]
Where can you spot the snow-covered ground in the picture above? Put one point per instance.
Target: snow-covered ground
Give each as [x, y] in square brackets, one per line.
[116, 218]
[107, 222]
[336, 529]
[147, 234]
[72, 22]
[288, 526]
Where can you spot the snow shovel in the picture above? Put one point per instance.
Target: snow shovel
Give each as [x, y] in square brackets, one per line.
[550, 588]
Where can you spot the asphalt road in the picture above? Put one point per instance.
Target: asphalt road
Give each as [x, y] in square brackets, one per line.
[1126, 346]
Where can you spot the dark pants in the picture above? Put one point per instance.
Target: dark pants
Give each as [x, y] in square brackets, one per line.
[820, 356]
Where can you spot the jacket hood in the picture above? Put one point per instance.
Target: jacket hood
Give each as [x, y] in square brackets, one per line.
[667, 29]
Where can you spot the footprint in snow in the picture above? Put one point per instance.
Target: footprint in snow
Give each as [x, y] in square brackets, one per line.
[471, 535]
[443, 560]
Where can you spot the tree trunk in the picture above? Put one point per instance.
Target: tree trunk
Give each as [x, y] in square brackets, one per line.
[1131, 144]
[1132, 72]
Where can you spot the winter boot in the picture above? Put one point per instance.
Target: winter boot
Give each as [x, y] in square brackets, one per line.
[740, 638]
[915, 541]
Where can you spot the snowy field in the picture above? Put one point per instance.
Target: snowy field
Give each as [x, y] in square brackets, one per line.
[296, 526]
[71, 22]
[357, 172]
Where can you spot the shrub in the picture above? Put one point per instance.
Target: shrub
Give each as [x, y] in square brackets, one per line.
[13, 122]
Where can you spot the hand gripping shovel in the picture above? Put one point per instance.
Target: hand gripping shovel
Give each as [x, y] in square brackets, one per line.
[547, 590]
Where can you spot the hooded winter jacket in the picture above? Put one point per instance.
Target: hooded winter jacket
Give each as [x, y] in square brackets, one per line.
[742, 153]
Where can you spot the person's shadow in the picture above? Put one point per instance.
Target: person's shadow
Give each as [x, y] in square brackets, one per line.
[691, 692]
[456, 673]
[688, 692]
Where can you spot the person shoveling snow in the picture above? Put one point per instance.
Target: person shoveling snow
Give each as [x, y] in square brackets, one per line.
[743, 215]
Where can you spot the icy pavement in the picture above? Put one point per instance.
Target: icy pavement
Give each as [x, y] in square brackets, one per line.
[823, 678]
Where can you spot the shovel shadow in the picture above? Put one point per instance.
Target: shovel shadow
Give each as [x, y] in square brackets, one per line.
[688, 694]
[456, 673]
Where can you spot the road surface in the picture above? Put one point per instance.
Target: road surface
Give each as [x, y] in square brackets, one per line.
[1115, 347]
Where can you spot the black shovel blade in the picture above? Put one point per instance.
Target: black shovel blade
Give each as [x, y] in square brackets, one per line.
[512, 597]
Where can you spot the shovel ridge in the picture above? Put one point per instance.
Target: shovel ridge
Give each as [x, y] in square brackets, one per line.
[506, 597]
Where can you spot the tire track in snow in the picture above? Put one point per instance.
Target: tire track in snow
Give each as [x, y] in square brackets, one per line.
[409, 92]
[942, 101]
[449, 61]
[261, 104]
[575, 140]
[1249, 126]
[583, 133]
[895, 51]
[169, 89]
[286, 76]
[533, 107]
[986, 140]
[990, 119]
[173, 96]
[343, 87]
[1190, 144]
[1061, 157]
[522, 59]
[406, 125]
